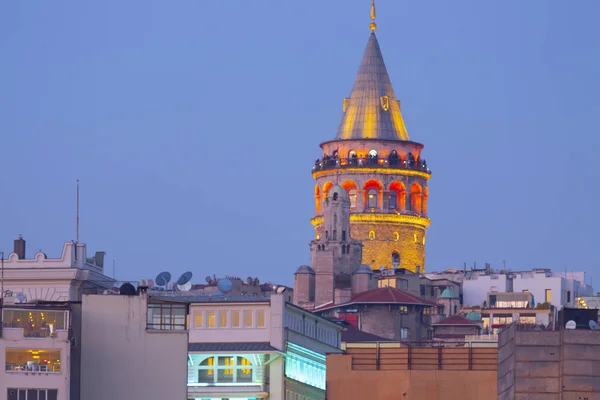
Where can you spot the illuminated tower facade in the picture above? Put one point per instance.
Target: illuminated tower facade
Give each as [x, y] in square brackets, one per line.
[382, 171]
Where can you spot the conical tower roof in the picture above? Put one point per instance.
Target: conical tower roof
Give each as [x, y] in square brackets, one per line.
[372, 111]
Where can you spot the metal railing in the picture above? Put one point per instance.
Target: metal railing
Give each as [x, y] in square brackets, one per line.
[329, 163]
[51, 369]
[421, 356]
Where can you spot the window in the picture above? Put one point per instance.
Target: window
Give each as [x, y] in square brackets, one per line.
[224, 370]
[260, 318]
[247, 318]
[548, 295]
[568, 296]
[403, 283]
[222, 319]
[392, 200]
[343, 236]
[352, 197]
[395, 259]
[210, 316]
[372, 198]
[35, 323]
[198, 319]
[403, 333]
[31, 394]
[22, 360]
[166, 316]
[396, 236]
[235, 319]
[422, 288]
[403, 310]
[372, 235]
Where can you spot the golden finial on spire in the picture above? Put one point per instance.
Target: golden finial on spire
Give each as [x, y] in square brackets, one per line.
[373, 24]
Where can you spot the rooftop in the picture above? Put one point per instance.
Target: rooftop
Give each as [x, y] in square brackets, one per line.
[456, 320]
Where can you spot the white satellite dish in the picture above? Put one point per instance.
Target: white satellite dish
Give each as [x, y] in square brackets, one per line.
[594, 325]
[185, 287]
[571, 325]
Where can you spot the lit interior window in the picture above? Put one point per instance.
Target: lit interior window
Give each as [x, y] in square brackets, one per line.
[210, 316]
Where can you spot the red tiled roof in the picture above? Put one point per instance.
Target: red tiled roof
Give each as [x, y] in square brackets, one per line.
[389, 295]
[456, 320]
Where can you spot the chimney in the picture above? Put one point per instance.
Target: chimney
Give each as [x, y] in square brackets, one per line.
[19, 248]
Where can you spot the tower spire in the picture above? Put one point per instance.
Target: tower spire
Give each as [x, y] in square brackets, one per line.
[373, 16]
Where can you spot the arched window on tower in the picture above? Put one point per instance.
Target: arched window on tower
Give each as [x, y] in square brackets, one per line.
[415, 198]
[373, 156]
[352, 158]
[372, 198]
[393, 158]
[372, 235]
[352, 197]
[393, 200]
[395, 259]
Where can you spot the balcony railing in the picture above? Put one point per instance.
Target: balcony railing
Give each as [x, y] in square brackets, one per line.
[331, 162]
[50, 369]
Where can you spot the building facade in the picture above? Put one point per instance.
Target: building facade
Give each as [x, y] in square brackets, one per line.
[133, 347]
[257, 349]
[382, 171]
[35, 349]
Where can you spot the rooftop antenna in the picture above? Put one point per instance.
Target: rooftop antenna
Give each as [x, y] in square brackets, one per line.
[114, 262]
[77, 215]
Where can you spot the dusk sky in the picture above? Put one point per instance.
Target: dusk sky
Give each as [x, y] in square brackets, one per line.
[193, 126]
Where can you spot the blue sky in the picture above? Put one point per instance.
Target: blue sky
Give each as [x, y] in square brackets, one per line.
[193, 126]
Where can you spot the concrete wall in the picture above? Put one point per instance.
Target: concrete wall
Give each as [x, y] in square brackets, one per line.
[537, 283]
[121, 360]
[345, 383]
[382, 321]
[549, 365]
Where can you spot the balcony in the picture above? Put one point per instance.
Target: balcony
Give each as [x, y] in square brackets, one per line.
[33, 361]
[32, 324]
[332, 163]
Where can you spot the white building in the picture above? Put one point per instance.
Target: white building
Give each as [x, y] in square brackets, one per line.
[556, 288]
[53, 279]
[36, 352]
[132, 348]
[244, 348]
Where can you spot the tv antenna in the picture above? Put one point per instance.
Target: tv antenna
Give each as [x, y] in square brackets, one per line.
[183, 283]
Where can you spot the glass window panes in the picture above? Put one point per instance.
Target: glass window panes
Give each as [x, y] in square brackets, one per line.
[260, 318]
[222, 319]
[235, 319]
[198, 319]
[210, 317]
[26, 360]
[35, 323]
[247, 318]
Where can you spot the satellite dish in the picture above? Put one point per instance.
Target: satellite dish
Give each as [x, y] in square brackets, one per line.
[225, 285]
[594, 325]
[381, 268]
[163, 279]
[184, 278]
[571, 325]
[127, 289]
[185, 287]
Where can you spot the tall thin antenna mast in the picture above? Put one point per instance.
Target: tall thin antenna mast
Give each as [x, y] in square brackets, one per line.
[77, 215]
[114, 262]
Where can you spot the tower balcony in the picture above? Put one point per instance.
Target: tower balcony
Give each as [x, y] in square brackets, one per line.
[329, 163]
